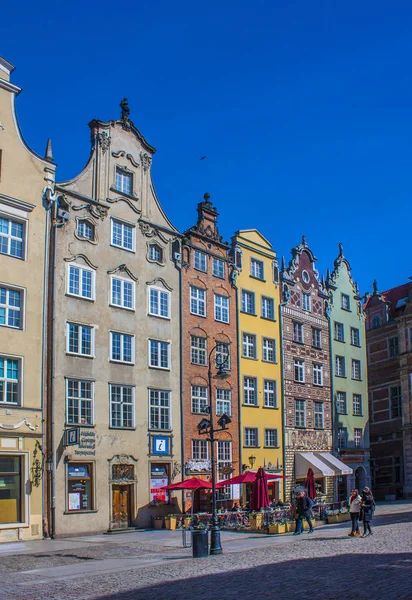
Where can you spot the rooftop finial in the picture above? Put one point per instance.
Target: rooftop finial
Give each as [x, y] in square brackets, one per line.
[375, 287]
[124, 105]
[49, 154]
[340, 249]
[304, 243]
[206, 196]
[282, 264]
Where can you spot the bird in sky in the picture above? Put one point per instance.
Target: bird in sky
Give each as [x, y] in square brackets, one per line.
[203, 158]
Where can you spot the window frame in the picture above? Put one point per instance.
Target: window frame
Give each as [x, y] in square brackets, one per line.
[159, 291]
[358, 437]
[123, 282]
[267, 393]
[159, 249]
[73, 265]
[339, 331]
[271, 303]
[393, 346]
[301, 410]
[224, 401]
[356, 369]
[18, 382]
[298, 333]
[244, 305]
[202, 399]
[198, 255]
[159, 343]
[315, 332]
[81, 326]
[247, 389]
[306, 302]
[246, 433]
[9, 307]
[343, 298]
[122, 386]
[203, 445]
[301, 369]
[221, 263]
[222, 299]
[80, 401]
[358, 412]
[159, 409]
[198, 302]
[261, 269]
[355, 337]
[340, 362]
[319, 414]
[223, 352]
[20, 221]
[88, 223]
[398, 405]
[126, 175]
[123, 224]
[133, 347]
[266, 351]
[317, 374]
[91, 471]
[267, 431]
[249, 342]
[341, 401]
[201, 351]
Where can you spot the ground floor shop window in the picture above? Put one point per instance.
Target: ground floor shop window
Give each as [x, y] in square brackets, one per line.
[11, 489]
[159, 477]
[79, 486]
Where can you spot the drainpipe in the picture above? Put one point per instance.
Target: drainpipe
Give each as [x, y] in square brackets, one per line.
[239, 404]
[182, 420]
[282, 363]
[332, 402]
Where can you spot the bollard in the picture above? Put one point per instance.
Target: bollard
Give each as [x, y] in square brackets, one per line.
[200, 543]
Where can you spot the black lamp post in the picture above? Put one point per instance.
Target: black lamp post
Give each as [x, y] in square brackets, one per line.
[206, 427]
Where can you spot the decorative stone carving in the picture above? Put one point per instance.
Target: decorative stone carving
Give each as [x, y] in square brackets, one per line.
[122, 269]
[122, 153]
[160, 280]
[103, 139]
[96, 210]
[149, 231]
[309, 440]
[146, 160]
[127, 201]
[19, 424]
[83, 257]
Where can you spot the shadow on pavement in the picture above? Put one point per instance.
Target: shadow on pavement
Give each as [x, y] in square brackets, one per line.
[348, 576]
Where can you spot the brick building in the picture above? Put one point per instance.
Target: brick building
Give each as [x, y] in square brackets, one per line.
[389, 342]
[209, 333]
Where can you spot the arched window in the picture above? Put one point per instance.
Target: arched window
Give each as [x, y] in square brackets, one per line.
[155, 253]
[376, 322]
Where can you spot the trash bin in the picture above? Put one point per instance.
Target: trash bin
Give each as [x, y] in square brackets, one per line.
[200, 543]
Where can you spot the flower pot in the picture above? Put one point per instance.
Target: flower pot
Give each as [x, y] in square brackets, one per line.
[333, 519]
[256, 521]
[170, 522]
[290, 527]
[277, 528]
[158, 523]
[188, 521]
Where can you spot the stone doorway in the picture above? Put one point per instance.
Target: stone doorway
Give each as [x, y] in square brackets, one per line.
[121, 503]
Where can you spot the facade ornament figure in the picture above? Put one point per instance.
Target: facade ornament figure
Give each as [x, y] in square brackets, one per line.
[146, 160]
[103, 139]
[375, 287]
[340, 249]
[124, 105]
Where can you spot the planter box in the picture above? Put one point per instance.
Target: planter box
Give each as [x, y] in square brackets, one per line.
[170, 523]
[188, 520]
[277, 528]
[256, 521]
[290, 527]
[158, 523]
[338, 518]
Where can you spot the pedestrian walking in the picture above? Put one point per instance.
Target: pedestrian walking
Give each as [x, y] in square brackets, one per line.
[367, 510]
[303, 508]
[354, 509]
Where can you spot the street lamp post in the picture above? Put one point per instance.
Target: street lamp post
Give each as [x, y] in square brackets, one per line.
[206, 426]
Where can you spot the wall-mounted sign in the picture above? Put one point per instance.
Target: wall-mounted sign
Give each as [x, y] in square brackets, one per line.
[160, 445]
[72, 437]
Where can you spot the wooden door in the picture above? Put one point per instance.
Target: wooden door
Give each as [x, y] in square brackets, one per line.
[120, 506]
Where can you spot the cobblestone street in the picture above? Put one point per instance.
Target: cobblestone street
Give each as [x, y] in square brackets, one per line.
[153, 565]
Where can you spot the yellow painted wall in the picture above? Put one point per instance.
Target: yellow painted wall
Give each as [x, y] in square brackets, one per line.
[252, 244]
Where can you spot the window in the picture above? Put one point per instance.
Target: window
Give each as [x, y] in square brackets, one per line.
[357, 405]
[256, 268]
[248, 302]
[249, 391]
[224, 459]
[85, 230]
[11, 237]
[159, 409]
[122, 293]
[395, 398]
[121, 347]
[339, 332]
[11, 477]
[200, 261]
[222, 356]
[223, 402]
[79, 487]
[393, 346]
[271, 438]
[268, 350]
[317, 374]
[251, 436]
[80, 409]
[81, 282]
[376, 322]
[219, 268]
[200, 450]
[159, 354]
[316, 337]
[123, 235]
[299, 370]
[319, 420]
[342, 437]
[354, 336]
[345, 302]
[248, 345]
[270, 399]
[300, 413]
[159, 303]
[122, 406]
[221, 308]
[10, 378]
[197, 301]
[268, 308]
[340, 367]
[124, 182]
[298, 332]
[306, 302]
[341, 403]
[11, 307]
[356, 369]
[357, 437]
[199, 398]
[197, 350]
[155, 253]
[80, 339]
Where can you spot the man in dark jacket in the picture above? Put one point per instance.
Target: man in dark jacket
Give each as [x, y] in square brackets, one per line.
[303, 509]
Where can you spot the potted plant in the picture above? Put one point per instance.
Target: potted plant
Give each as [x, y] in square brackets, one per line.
[277, 528]
[290, 526]
[158, 522]
[255, 519]
[170, 522]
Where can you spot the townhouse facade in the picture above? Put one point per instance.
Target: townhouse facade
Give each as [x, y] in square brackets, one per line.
[114, 405]
[389, 344]
[209, 341]
[349, 377]
[23, 224]
[258, 300]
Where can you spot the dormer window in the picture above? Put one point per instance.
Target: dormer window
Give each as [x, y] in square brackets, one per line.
[85, 230]
[376, 322]
[124, 182]
[155, 253]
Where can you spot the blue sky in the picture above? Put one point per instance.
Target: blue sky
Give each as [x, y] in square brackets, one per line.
[303, 110]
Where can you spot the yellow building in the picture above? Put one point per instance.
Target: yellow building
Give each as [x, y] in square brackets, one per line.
[260, 354]
[23, 177]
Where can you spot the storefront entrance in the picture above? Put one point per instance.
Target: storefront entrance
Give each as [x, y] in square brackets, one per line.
[121, 503]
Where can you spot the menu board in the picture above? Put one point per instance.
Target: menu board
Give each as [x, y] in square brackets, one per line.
[156, 493]
[74, 501]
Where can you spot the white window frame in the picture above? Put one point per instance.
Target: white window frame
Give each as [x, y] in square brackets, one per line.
[220, 302]
[224, 352]
[299, 411]
[200, 261]
[80, 400]
[339, 331]
[159, 344]
[356, 369]
[159, 291]
[268, 349]
[217, 264]
[340, 366]
[10, 237]
[355, 336]
[19, 381]
[122, 334]
[248, 389]
[224, 459]
[223, 401]
[9, 307]
[299, 370]
[267, 433]
[81, 326]
[341, 403]
[199, 399]
[306, 302]
[159, 250]
[298, 332]
[200, 450]
[319, 414]
[316, 336]
[160, 409]
[345, 302]
[81, 268]
[265, 302]
[249, 349]
[123, 281]
[123, 225]
[198, 351]
[251, 443]
[87, 223]
[357, 437]
[124, 176]
[357, 405]
[122, 403]
[199, 302]
[342, 437]
[248, 302]
[317, 374]
[257, 269]
[270, 395]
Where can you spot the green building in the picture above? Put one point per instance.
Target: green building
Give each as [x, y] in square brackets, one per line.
[349, 377]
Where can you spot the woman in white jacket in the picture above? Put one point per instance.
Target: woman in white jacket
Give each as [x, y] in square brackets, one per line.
[354, 509]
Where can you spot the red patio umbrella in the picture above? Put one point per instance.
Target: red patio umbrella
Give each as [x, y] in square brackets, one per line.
[189, 484]
[260, 494]
[310, 484]
[248, 477]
